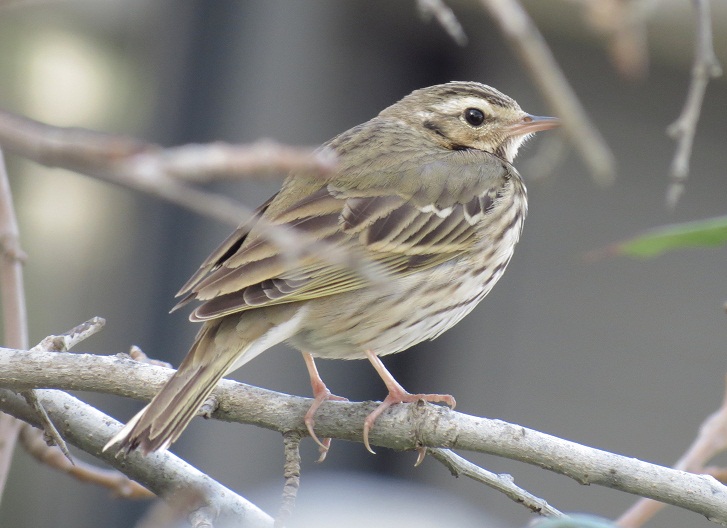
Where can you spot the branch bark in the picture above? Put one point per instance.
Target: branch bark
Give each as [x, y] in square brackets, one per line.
[404, 427]
[163, 473]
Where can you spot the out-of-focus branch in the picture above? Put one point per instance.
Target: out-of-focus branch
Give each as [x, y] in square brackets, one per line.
[527, 41]
[711, 440]
[122, 160]
[151, 169]
[403, 427]
[706, 66]
[12, 299]
[623, 25]
[203, 163]
[443, 14]
[118, 483]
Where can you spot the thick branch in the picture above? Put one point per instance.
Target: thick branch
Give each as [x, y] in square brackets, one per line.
[403, 427]
[163, 473]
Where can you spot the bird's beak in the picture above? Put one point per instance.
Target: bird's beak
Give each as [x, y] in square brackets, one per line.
[531, 123]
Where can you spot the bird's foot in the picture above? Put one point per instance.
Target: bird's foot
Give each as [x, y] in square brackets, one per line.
[399, 395]
[321, 394]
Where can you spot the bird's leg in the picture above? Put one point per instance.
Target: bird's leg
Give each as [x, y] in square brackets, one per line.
[397, 394]
[320, 394]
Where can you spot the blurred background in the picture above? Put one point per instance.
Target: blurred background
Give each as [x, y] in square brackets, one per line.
[624, 355]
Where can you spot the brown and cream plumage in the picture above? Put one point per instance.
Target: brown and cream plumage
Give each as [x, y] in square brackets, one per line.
[425, 190]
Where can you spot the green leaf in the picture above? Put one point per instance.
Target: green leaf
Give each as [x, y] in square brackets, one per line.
[700, 233]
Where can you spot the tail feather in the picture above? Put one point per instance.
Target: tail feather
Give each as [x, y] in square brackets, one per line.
[161, 422]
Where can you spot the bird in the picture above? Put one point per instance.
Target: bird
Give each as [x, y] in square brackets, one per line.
[425, 192]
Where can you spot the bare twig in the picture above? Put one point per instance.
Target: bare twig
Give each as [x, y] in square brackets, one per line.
[33, 439]
[60, 343]
[149, 168]
[137, 354]
[12, 298]
[711, 440]
[291, 473]
[443, 14]
[216, 161]
[684, 128]
[107, 157]
[403, 427]
[502, 483]
[162, 473]
[525, 37]
[67, 340]
[50, 433]
[119, 484]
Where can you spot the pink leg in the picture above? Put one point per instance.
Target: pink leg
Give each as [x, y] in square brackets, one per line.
[320, 395]
[397, 394]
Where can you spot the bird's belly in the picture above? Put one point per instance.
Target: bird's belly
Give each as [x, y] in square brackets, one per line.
[393, 317]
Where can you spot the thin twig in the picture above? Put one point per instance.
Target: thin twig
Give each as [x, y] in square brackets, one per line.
[118, 483]
[60, 343]
[33, 439]
[203, 163]
[443, 14]
[711, 440]
[683, 130]
[525, 37]
[12, 299]
[50, 433]
[148, 168]
[291, 473]
[64, 342]
[502, 483]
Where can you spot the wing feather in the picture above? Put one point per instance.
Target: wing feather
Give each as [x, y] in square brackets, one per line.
[429, 217]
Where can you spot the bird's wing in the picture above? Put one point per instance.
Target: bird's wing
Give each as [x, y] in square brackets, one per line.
[416, 217]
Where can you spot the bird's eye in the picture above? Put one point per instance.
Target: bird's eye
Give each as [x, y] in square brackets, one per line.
[474, 116]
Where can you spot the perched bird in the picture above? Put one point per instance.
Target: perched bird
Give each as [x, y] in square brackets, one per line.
[426, 190]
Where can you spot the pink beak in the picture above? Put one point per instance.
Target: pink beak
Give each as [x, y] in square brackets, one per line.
[530, 124]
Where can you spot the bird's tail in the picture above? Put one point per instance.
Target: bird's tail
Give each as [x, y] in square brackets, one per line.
[218, 348]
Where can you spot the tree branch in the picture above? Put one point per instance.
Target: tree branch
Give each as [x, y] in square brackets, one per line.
[446, 18]
[684, 128]
[711, 441]
[119, 484]
[163, 473]
[502, 483]
[403, 427]
[527, 41]
[12, 306]
[149, 168]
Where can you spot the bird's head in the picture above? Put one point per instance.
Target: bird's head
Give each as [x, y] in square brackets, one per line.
[469, 115]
